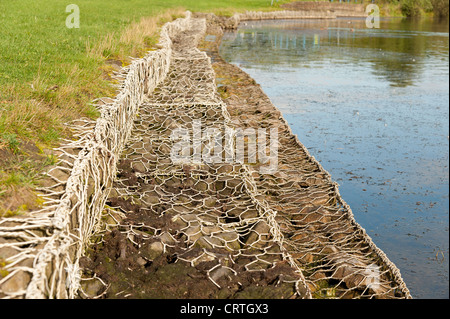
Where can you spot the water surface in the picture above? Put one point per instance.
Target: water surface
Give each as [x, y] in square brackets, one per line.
[372, 105]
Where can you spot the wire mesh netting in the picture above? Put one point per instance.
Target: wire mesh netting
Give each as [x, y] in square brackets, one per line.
[337, 257]
[187, 187]
[208, 209]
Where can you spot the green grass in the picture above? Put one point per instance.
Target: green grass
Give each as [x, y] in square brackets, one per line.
[49, 74]
[35, 42]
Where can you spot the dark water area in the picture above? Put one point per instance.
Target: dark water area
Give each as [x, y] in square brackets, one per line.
[372, 105]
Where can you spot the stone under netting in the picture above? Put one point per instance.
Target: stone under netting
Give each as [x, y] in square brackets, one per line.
[228, 215]
[232, 227]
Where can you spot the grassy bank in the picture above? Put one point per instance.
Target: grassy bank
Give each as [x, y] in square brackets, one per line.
[405, 8]
[49, 74]
[414, 8]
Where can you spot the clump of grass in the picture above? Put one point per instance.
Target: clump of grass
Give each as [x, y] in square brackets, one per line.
[134, 40]
[10, 141]
[414, 8]
[10, 213]
[324, 290]
[21, 172]
[3, 271]
[440, 8]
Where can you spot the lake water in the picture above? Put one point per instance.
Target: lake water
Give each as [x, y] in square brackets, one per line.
[372, 105]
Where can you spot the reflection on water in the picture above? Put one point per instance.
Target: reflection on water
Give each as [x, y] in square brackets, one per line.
[395, 51]
[372, 105]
